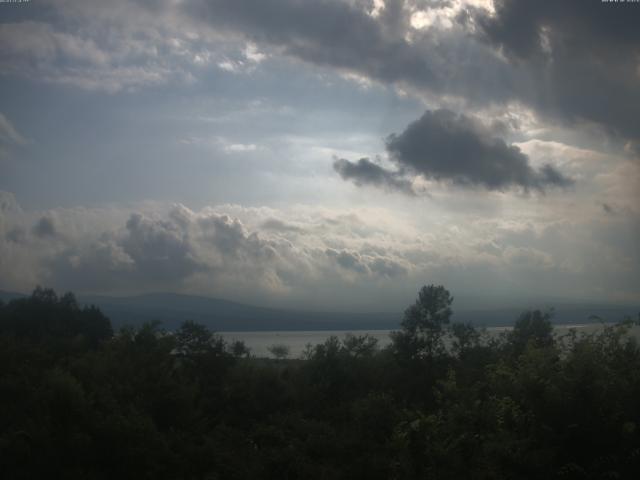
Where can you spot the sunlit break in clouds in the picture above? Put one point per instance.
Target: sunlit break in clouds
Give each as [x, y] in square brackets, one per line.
[329, 155]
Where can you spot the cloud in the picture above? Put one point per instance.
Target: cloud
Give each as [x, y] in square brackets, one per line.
[383, 47]
[16, 235]
[571, 62]
[45, 227]
[207, 252]
[365, 172]
[273, 224]
[348, 260]
[608, 209]
[9, 136]
[528, 258]
[362, 258]
[388, 267]
[445, 146]
[159, 248]
[240, 147]
[128, 46]
[8, 204]
[8, 133]
[581, 58]
[334, 33]
[228, 251]
[135, 43]
[366, 263]
[449, 147]
[523, 28]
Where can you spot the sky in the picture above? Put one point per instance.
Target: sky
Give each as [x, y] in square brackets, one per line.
[325, 154]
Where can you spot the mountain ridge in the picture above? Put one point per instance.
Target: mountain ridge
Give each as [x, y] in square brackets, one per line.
[226, 315]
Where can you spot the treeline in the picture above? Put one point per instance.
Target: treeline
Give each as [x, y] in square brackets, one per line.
[443, 401]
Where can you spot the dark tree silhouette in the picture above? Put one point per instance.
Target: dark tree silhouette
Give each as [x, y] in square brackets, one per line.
[45, 317]
[148, 403]
[279, 351]
[424, 322]
[532, 327]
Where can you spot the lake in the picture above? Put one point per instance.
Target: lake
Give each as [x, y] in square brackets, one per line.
[259, 342]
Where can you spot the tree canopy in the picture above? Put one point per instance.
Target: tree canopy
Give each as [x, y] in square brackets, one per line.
[444, 400]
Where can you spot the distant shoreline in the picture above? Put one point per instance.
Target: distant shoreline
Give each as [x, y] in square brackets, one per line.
[297, 340]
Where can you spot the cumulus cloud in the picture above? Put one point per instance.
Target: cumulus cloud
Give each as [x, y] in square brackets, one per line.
[346, 257]
[348, 260]
[387, 267]
[45, 227]
[449, 147]
[222, 251]
[159, 248]
[446, 146]
[368, 263]
[365, 172]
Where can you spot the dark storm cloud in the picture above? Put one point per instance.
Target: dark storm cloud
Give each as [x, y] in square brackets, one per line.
[45, 227]
[345, 36]
[582, 55]
[327, 32]
[573, 60]
[518, 25]
[365, 172]
[448, 147]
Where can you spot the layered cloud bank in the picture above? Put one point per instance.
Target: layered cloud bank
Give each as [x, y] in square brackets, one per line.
[314, 256]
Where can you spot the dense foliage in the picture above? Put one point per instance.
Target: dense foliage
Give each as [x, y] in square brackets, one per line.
[443, 401]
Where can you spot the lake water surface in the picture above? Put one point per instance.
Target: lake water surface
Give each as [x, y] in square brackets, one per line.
[259, 342]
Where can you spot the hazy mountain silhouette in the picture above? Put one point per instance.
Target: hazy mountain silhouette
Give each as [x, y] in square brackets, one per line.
[224, 315]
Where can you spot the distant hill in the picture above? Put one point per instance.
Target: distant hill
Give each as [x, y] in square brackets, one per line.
[563, 314]
[223, 315]
[7, 296]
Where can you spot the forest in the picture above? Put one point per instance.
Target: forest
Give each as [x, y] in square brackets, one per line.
[442, 401]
